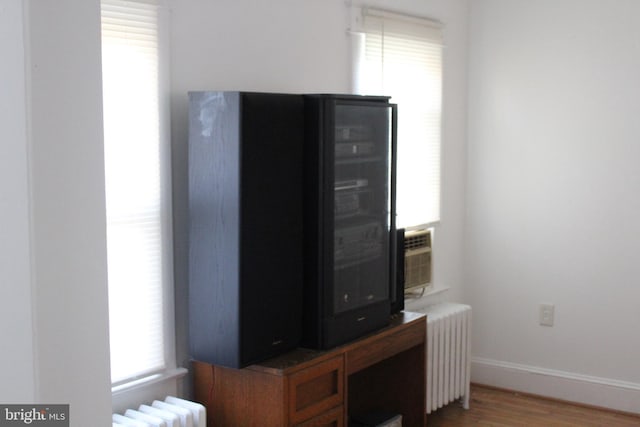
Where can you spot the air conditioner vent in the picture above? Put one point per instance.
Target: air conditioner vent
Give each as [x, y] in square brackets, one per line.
[417, 241]
[417, 261]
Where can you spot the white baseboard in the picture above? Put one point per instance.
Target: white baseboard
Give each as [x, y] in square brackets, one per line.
[588, 390]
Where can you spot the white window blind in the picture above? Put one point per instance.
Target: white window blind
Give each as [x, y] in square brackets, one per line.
[134, 194]
[401, 56]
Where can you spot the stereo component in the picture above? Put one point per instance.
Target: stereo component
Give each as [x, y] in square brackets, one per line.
[357, 243]
[353, 149]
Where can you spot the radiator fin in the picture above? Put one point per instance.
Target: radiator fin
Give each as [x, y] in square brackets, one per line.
[448, 354]
[172, 412]
[151, 420]
[170, 418]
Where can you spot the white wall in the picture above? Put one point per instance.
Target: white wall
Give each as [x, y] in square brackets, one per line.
[55, 218]
[554, 196]
[16, 358]
[302, 46]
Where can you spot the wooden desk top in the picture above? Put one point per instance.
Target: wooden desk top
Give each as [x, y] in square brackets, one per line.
[402, 333]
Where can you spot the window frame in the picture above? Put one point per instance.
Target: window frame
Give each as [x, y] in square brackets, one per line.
[144, 386]
[435, 30]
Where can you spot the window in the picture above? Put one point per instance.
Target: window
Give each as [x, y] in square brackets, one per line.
[137, 197]
[401, 56]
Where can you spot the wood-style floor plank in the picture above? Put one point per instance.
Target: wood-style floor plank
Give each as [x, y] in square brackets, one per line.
[500, 408]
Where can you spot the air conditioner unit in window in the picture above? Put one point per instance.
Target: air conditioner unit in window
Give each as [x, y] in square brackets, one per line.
[417, 259]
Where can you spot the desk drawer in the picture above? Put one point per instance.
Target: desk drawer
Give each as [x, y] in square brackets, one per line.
[385, 346]
[332, 418]
[316, 389]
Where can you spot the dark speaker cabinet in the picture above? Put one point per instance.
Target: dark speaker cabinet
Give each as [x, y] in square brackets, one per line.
[246, 225]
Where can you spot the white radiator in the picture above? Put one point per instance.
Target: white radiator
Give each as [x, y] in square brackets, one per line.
[172, 412]
[448, 354]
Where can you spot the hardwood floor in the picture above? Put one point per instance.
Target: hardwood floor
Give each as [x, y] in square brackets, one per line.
[492, 407]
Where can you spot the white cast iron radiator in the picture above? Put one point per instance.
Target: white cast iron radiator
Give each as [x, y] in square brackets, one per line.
[448, 354]
[172, 412]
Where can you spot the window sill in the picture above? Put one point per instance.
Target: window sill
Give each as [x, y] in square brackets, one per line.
[417, 302]
[145, 390]
[436, 289]
[147, 381]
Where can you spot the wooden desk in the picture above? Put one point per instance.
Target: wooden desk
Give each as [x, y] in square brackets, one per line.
[381, 371]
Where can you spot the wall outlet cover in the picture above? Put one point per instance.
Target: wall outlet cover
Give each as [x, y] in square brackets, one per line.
[547, 314]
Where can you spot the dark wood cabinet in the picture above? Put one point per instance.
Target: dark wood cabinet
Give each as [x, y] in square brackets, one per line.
[350, 237]
[381, 371]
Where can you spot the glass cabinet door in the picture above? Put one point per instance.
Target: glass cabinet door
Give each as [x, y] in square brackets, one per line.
[362, 204]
